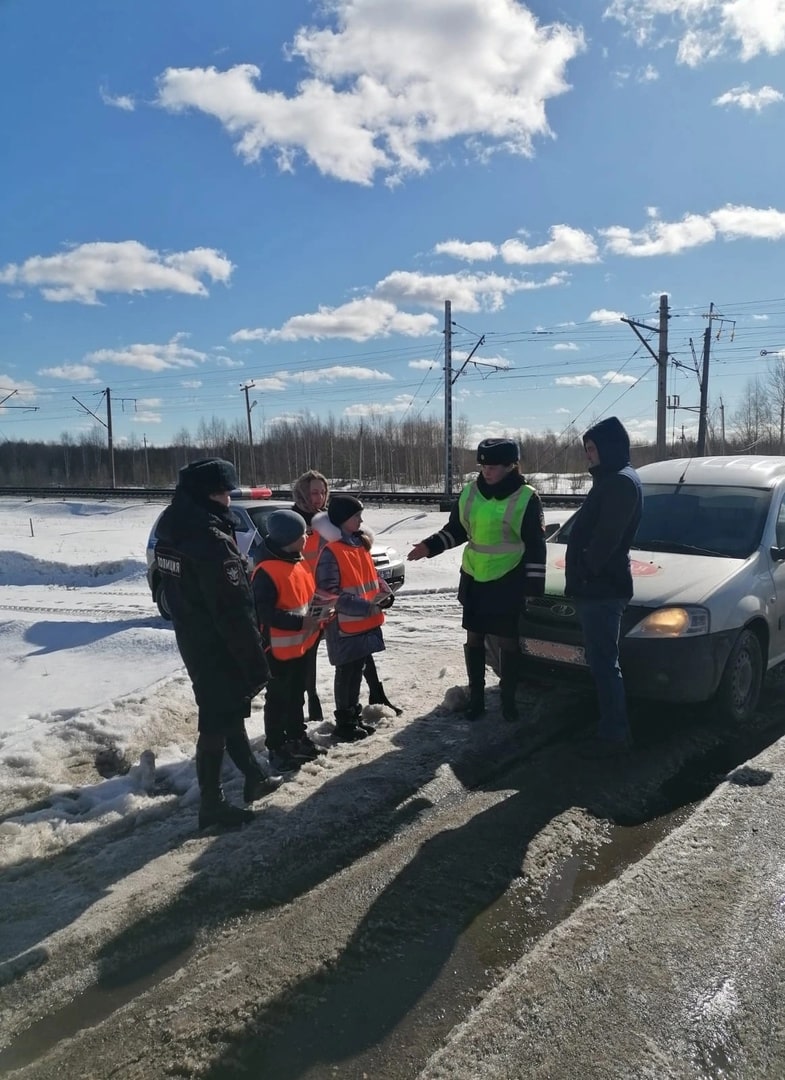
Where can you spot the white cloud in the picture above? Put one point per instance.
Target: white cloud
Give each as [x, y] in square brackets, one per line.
[332, 374]
[145, 418]
[603, 315]
[567, 245]
[618, 378]
[358, 320]
[18, 392]
[578, 380]
[191, 384]
[660, 238]
[149, 357]
[746, 98]
[647, 74]
[398, 405]
[271, 385]
[705, 28]
[70, 372]
[468, 292]
[82, 272]
[423, 365]
[149, 403]
[386, 82]
[562, 412]
[119, 101]
[565, 346]
[694, 230]
[760, 317]
[469, 251]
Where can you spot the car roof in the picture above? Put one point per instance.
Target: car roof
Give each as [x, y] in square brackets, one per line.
[762, 471]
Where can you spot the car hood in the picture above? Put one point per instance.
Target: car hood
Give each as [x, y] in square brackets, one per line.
[659, 577]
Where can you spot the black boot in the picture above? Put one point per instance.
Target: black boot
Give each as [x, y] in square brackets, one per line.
[369, 729]
[213, 807]
[509, 669]
[315, 713]
[257, 784]
[475, 669]
[376, 694]
[347, 728]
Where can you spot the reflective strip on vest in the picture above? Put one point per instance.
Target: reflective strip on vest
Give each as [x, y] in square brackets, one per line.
[357, 576]
[295, 586]
[493, 527]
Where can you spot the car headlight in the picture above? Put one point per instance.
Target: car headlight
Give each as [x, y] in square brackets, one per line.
[673, 622]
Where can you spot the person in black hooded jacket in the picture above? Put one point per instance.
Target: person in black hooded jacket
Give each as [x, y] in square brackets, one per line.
[597, 571]
[210, 599]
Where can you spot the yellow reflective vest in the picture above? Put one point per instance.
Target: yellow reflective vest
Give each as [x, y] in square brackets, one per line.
[493, 527]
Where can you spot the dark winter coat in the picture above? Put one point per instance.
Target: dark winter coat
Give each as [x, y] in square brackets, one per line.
[343, 648]
[597, 561]
[493, 606]
[209, 596]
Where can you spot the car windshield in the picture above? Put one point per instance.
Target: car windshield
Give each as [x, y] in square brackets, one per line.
[698, 519]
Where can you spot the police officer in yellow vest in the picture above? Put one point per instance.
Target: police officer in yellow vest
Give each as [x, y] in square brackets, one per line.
[499, 518]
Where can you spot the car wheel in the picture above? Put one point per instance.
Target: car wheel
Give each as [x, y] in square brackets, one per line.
[160, 600]
[741, 681]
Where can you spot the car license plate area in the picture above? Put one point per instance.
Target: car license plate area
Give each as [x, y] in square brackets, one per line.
[554, 650]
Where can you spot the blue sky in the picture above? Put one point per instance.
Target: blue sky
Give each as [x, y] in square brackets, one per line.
[198, 196]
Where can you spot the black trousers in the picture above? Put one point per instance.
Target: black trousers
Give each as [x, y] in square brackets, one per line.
[284, 714]
[346, 685]
[215, 724]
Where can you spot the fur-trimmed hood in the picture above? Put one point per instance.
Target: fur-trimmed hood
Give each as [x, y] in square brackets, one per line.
[321, 524]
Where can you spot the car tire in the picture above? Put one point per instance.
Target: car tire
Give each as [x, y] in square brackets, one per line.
[161, 604]
[740, 686]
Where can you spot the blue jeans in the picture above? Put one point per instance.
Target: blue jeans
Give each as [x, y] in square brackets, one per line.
[601, 623]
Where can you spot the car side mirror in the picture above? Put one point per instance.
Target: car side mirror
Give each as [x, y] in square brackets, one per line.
[777, 554]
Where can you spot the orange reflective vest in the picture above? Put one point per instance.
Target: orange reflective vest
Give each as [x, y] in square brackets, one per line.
[357, 576]
[312, 549]
[295, 585]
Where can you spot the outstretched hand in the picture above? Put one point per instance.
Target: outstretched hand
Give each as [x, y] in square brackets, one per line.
[419, 551]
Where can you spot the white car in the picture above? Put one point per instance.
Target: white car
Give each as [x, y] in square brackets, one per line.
[250, 509]
[707, 617]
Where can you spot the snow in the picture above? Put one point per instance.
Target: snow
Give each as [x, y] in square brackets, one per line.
[91, 675]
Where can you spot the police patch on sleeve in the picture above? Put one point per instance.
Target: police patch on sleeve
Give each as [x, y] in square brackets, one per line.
[233, 571]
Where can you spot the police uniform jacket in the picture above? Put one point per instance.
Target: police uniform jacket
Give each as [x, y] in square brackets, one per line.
[209, 595]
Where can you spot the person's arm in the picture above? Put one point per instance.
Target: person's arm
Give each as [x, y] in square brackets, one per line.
[536, 553]
[452, 535]
[227, 593]
[265, 595]
[619, 505]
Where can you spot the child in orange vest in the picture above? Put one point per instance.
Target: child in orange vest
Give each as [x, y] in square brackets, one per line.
[283, 588]
[345, 568]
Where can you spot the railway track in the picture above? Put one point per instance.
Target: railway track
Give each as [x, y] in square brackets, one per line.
[409, 498]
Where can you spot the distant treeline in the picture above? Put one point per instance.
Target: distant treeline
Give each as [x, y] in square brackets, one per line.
[377, 454]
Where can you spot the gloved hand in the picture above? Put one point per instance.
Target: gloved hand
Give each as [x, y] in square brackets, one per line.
[386, 601]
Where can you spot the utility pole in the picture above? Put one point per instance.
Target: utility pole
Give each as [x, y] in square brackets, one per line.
[700, 449]
[722, 425]
[107, 425]
[146, 462]
[248, 406]
[109, 432]
[661, 358]
[448, 398]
